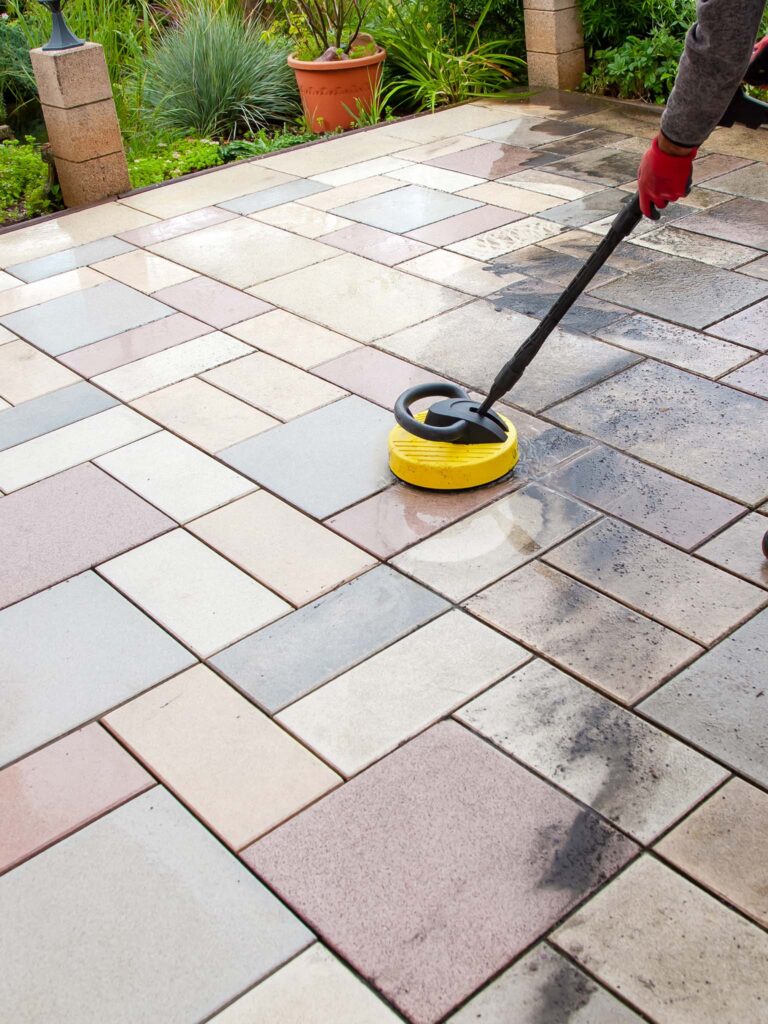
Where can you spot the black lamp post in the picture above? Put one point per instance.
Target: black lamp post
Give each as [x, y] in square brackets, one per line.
[61, 37]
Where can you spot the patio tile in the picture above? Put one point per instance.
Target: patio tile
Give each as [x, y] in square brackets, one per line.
[26, 373]
[194, 194]
[536, 298]
[675, 952]
[373, 375]
[293, 339]
[744, 221]
[7, 281]
[204, 415]
[493, 160]
[56, 791]
[738, 549]
[587, 209]
[292, 657]
[477, 877]
[614, 649]
[351, 193]
[541, 181]
[544, 986]
[453, 271]
[83, 317]
[671, 509]
[301, 220]
[581, 244]
[511, 198]
[66, 524]
[600, 165]
[278, 195]
[147, 861]
[464, 225]
[273, 386]
[757, 268]
[357, 171]
[70, 259]
[446, 124]
[722, 846]
[478, 550]
[98, 651]
[672, 213]
[102, 356]
[212, 302]
[717, 703]
[527, 131]
[587, 141]
[746, 328]
[715, 165]
[6, 336]
[499, 241]
[24, 296]
[628, 771]
[691, 246]
[192, 592]
[162, 230]
[314, 988]
[359, 298]
[49, 412]
[749, 182]
[144, 271]
[335, 153]
[439, 147]
[233, 767]
[405, 209]
[545, 265]
[434, 177]
[375, 244]
[289, 552]
[69, 446]
[681, 423]
[133, 380]
[174, 476]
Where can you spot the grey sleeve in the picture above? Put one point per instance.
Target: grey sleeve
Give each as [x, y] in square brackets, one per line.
[717, 52]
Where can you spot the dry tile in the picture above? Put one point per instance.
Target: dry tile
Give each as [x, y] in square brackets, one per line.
[752, 378]
[331, 199]
[278, 195]
[434, 177]
[510, 198]
[375, 244]
[746, 328]
[26, 373]
[213, 302]
[293, 339]
[364, 169]
[144, 271]
[441, 147]
[301, 220]
[162, 230]
[454, 271]
[335, 153]
[739, 549]
[49, 412]
[407, 208]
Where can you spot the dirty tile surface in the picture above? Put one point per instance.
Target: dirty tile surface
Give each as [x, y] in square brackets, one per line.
[738, 549]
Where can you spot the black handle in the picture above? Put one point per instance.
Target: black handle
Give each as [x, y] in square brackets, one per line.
[427, 432]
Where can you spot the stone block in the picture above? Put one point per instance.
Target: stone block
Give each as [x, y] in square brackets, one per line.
[556, 70]
[82, 133]
[548, 5]
[70, 78]
[93, 180]
[553, 31]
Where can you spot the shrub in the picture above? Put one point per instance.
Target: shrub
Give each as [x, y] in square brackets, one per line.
[504, 20]
[638, 69]
[17, 83]
[609, 23]
[24, 188]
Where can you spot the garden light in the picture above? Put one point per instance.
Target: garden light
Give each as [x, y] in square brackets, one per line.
[61, 37]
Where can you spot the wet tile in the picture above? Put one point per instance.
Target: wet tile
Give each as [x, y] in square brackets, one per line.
[162, 230]
[587, 209]
[292, 657]
[676, 212]
[204, 415]
[745, 328]
[335, 153]
[493, 160]
[535, 298]
[434, 177]
[406, 208]
[478, 550]
[196, 595]
[99, 651]
[56, 791]
[527, 131]
[581, 244]
[382, 870]
[351, 193]
[508, 197]
[66, 524]
[744, 221]
[544, 986]
[757, 268]
[212, 302]
[464, 225]
[675, 952]
[365, 169]
[545, 264]
[628, 771]
[679, 422]
[547, 184]
[49, 412]
[70, 259]
[738, 549]
[722, 846]
[506, 239]
[600, 165]
[275, 196]
[147, 861]
[448, 123]
[618, 651]
[373, 375]
[233, 767]
[375, 244]
[69, 446]
[750, 182]
[144, 271]
[289, 552]
[302, 220]
[669, 508]
[587, 142]
[717, 702]
[453, 271]
[174, 476]
[691, 246]
[293, 339]
[702, 198]
[359, 298]
[715, 165]
[313, 988]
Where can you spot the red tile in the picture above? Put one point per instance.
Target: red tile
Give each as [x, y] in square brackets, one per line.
[212, 302]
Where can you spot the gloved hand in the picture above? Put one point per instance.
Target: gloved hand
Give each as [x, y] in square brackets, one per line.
[757, 72]
[760, 46]
[663, 178]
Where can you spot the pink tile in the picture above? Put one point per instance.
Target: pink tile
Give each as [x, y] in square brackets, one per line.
[176, 226]
[131, 345]
[437, 866]
[465, 225]
[212, 302]
[493, 160]
[374, 375]
[51, 793]
[375, 244]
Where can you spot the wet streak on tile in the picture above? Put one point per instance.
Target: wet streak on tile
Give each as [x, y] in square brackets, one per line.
[493, 160]
[535, 298]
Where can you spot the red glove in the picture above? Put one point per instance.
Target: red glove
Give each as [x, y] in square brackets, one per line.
[760, 46]
[663, 178]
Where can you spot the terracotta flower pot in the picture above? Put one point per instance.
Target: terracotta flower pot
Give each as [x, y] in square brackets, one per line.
[332, 92]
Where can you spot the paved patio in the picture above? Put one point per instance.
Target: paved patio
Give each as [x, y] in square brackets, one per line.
[286, 742]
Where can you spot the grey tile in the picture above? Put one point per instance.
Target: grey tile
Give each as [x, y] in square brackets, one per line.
[605, 166]
[757, 268]
[49, 412]
[752, 378]
[669, 508]
[70, 259]
[750, 182]
[169, 925]
[692, 246]
[276, 196]
[321, 462]
[545, 264]
[71, 653]
[590, 208]
[620, 652]
[739, 549]
[719, 703]
[528, 131]
[634, 775]
[80, 318]
[585, 142]
[581, 244]
[535, 298]
[681, 423]
[407, 208]
[673, 587]
[542, 445]
[745, 328]
[287, 660]
[744, 221]
[684, 292]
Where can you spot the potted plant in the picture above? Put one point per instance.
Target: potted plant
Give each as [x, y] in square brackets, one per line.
[338, 68]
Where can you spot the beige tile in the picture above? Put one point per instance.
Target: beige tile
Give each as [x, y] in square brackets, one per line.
[8, 281]
[6, 336]
[329, 156]
[670, 949]
[197, 595]
[289, 552]
[69, 446]
[356, 172]
[546, 184]
[301, 220]
[351, 193]
[447, 123]
[511, 198]
[436, 177]
[144, 271]
[26, 295]
[500, 241]
[722, 845]
[27, 373]
[173, 364]
[456, 271]
[368, 711]
[293, 339]
[273, 386]
[739, 549]
[174, 476]
[238, 771]
[443, 147]
[4, 405]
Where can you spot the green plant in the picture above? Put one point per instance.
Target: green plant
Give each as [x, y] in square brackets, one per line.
[330, 25]
[24, 182]
[504, 20]
[638, 69]
[171, 160]
[608, 23]
[17, 83]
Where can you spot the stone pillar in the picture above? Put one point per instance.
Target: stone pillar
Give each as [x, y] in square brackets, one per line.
[555, 43]
[82, 124]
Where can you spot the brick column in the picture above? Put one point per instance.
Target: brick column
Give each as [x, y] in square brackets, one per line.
[82, 124]
[555, 43]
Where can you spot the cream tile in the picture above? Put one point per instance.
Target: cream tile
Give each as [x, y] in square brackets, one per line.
[500, 241]
[273, 386]
[27, 373]
[436, 177]
[546, 184]
[356, 172]
[4, 405]
[447, 123]
[26, 295]
[144, 271]
[69, 446]
[206, 190]
[198, 596]
[329, 156]
[174, 476]
[238, 771]
[351, 193]
[511, 198]
[456, 271]
[8, 281]
[293, 339]
[301, 220]
[289, 552]
[443, 147]
[6, 336]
